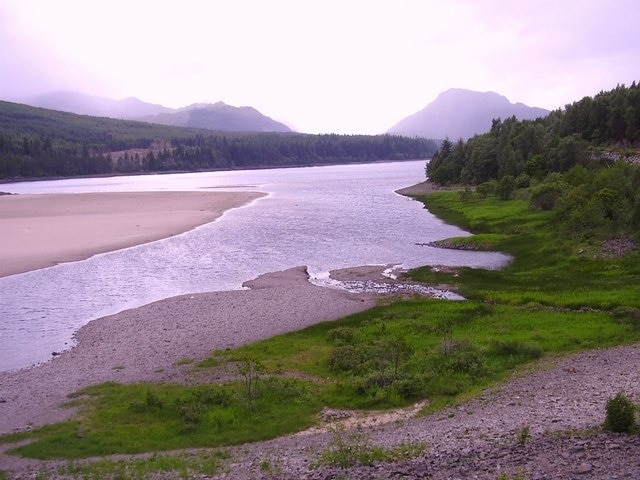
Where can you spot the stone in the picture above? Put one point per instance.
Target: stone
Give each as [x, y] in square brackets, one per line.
[584, 468]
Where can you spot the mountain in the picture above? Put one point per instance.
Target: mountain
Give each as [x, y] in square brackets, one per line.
[218, 116]
[82, 104]
[459, 113]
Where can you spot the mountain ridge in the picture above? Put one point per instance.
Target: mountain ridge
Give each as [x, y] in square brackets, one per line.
[461, 113]
[211, 116]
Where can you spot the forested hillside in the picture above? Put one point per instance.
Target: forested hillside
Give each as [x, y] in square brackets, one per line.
[581, 161]
[36, 142]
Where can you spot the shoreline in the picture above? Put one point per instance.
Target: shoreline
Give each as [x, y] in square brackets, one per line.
[131, 345]
[152, 342]
[44, 230]
[555, 403]
[9, 181]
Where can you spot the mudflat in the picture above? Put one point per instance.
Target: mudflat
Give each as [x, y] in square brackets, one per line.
[40, 231]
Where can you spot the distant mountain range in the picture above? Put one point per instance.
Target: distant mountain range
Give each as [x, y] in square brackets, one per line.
[455, 113]
[218, 116]
[459, 113]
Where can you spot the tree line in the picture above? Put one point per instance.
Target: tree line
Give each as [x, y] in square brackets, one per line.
[44, 143]
[580, 161]
[603, 127]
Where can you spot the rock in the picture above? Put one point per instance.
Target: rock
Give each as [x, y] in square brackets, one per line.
[584, 468]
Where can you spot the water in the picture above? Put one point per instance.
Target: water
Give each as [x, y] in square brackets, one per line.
[322, 217]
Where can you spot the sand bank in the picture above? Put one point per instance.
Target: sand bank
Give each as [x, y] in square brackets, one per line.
[43, 230]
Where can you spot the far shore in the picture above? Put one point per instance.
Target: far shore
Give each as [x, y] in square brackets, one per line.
[40, 231]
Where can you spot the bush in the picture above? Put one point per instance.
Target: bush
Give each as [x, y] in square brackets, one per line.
[515, 348]
[621, 414]
[506, 187]
[487, 188]
[523, 181]
[545, 195]
[347, 358]
[464, 358]
[410, 386]
[341, 335]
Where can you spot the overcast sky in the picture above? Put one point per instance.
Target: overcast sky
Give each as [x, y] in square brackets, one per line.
[343, 66]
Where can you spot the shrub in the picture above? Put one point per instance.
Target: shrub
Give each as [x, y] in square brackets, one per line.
[466, 195]
[347, 358]
[523, 181]
[627, 315]
[411, 386]
[464, 358]
[524, 434]
[487, 188]
[545, 195]
[621, 414]
[209, 395]
[341, 335]
[513, 348]
[506, 187]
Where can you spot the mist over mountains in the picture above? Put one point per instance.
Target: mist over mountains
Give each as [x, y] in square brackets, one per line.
[455, 113]
[83, 104]
[459, 113]
[218, 116]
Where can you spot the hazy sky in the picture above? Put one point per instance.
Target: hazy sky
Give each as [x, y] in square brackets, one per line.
[346, 66]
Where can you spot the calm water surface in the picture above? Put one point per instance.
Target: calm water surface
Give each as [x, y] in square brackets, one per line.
[322, 217]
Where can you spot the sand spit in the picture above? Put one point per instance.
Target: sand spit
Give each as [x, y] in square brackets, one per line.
[43, 230]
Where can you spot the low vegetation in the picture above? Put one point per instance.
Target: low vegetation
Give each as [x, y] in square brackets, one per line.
[621, 415]
[355, 449]
[558, 295]
[140, 418]
[186, 465]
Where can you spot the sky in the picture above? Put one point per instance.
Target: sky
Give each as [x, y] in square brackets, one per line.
[320, 66]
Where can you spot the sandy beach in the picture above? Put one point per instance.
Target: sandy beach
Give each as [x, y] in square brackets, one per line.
[43, 230]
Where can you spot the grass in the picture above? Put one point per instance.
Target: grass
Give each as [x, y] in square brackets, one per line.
[551, 300]
[548, 268]
[140, 418]
[179, 466]
[444, 348]
[355, 449]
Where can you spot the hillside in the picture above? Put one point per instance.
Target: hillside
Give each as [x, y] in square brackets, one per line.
[596, 129]
[459, 113]
[36, 142]
[218, 116]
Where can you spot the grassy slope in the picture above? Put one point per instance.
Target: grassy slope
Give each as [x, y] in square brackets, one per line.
[548, 268]
[550, 300]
